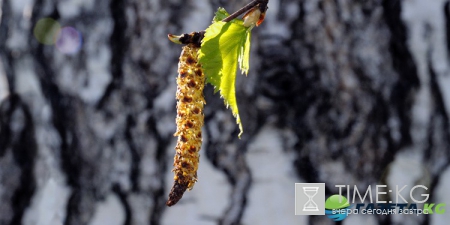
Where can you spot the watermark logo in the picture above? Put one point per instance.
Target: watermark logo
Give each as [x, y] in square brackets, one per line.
[377, 200]
[336, 207]
[309, 198]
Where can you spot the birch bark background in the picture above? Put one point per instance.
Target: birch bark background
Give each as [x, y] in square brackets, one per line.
[339, 91]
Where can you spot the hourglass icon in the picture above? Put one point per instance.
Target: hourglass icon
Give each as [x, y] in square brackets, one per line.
[310, 204]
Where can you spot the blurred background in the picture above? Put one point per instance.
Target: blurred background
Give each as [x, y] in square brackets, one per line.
[339, 92]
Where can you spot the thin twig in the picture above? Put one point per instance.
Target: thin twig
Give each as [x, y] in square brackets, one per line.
[196, 37]
[241, 11]
[246, 8]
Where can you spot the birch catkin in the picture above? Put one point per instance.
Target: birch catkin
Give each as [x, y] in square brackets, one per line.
[190, 101]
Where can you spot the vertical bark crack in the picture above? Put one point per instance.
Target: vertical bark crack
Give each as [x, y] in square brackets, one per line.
[135, 156]
[119, 46]
[23, 146]
[404, 65]
[447, 25]
[123, 199]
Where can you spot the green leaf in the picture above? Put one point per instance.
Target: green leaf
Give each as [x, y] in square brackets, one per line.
[223, 47]
[244, 54]
[220, 15]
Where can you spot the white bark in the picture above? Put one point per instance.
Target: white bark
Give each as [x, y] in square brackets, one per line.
[341, 92]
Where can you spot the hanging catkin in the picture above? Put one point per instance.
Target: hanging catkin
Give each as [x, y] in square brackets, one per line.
[190, 101]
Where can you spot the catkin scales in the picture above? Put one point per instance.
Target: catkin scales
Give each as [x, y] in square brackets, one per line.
[189, 120]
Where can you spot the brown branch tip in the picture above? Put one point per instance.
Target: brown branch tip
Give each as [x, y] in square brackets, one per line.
[196, 37]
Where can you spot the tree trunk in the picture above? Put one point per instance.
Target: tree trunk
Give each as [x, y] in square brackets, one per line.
[339, 92]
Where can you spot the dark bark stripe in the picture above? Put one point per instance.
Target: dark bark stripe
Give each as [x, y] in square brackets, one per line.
[447, 23]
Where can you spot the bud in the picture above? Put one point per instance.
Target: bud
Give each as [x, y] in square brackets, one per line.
[253, 17]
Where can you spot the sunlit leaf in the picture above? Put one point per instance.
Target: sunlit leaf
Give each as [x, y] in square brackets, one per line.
[223, 47]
